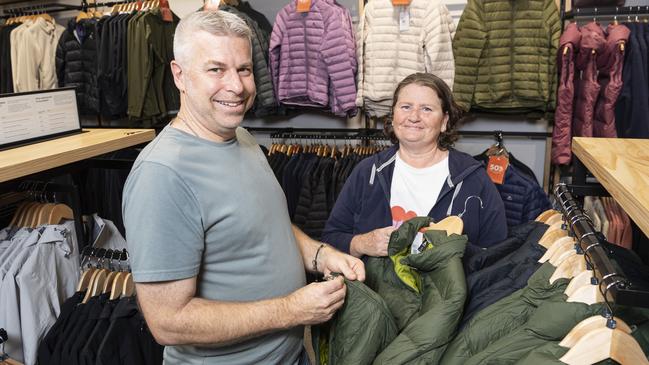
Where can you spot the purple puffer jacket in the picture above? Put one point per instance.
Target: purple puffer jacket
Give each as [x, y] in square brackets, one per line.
[561, 133]
[309, 52]
[610, 64]
[591, 46]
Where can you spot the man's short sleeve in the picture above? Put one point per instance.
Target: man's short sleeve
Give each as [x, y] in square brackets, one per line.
[162, 217]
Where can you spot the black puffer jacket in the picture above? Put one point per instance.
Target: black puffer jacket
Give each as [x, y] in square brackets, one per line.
[76, 62]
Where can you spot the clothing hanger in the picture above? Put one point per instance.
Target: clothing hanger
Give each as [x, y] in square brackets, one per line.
[571, 266]
[550, 236]
[554, 219]
[86, 279]
[545, 215]
[90, 286]
[28, 214]
[582, 279]
[560, 256]
[60, 212]
[451, 224]
[97, 285]
[562, 242]
[589, 324]
[108, 284]
[128, 286]
[606, 343]
[587, 294]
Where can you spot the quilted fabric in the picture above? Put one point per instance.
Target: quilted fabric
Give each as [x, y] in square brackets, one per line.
[388, 53]
[505, 56]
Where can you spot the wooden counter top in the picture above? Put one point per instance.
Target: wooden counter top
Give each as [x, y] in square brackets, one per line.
[22, 161]
[622, 167]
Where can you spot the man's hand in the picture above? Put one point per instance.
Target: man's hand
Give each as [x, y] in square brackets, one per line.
[331, 260]
[373, 243]
[317, 302]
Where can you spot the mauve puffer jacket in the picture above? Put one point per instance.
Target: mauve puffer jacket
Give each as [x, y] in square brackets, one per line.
[610, 64]
[592, 39]
[308, 52]
[562, 133]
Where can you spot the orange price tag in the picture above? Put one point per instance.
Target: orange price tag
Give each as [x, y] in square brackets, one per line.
[496, 168]
[400, 2]
[303, 6]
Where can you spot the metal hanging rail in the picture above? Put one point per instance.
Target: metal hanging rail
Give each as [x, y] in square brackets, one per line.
[613, 284]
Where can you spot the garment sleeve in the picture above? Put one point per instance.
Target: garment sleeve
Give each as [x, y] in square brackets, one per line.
[554, 23]
[339, 67]
[339, 229]
[163, 221]
[275, 49]
[468, 44]
[493, 222]
[438, 34]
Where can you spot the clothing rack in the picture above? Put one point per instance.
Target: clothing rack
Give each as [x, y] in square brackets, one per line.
[52, 8]
[612, 282]
[375, 133]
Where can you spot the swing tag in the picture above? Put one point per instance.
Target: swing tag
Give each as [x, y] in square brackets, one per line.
[496, 168]
[404, 19]
[303, 6]
[400, 2]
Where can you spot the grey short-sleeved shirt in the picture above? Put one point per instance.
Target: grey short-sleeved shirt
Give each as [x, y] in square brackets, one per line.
[193, 207]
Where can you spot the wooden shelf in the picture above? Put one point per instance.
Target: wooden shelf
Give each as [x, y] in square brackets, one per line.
[622, 167]
[23, 161]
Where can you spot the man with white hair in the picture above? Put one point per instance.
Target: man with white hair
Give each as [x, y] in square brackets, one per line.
[219, 269]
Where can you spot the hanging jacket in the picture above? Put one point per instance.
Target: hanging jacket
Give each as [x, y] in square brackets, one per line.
[388, 52]
[34, 59]
[506, 275]
[504, 316]
[420, 289]
[6, 76]
[308, 52]
[505, 56]
[364, 202]
[610, 64]
[515, 239]
[522, 195]
[591, 47]
[562, 132]
[76, 63]
[632, 107]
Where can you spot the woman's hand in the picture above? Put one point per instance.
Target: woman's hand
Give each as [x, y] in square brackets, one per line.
[373, 243]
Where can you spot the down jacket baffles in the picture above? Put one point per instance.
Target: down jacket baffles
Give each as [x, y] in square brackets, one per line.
[76, 63]
[424, 292]
[505, 56]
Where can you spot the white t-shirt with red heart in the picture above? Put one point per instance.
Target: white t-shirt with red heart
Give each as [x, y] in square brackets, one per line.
[414, 192]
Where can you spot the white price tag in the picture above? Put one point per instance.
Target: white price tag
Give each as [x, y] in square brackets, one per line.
[404, 18]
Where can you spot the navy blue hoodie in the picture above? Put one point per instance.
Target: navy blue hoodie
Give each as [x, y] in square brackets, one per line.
[364, 202]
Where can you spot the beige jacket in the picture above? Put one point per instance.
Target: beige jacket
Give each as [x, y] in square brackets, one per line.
[388, 52]
[33, 55]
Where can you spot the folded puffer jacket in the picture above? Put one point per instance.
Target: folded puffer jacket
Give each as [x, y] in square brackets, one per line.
[423, 293]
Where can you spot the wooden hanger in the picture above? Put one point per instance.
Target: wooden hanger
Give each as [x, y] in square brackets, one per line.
[117, 286]
[569, 267]
[86, 279]
[96, 284]
[545, 215]
[554, 219]
[44, 214]
[128, 286]
[581, 279]
[16, 218]
[549, 237]
[555, 246]
[589, 324]
[451, 224]
[58, 213]
[28, 214]
[605, 343]
[566, 247]
[587, 294]
[108, 284]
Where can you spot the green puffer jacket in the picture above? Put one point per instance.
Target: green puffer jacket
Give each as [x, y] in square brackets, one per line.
[505, 56]
[425, 294]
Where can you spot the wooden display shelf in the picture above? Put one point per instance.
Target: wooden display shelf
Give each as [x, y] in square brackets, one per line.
[26, 160]
[622, 167]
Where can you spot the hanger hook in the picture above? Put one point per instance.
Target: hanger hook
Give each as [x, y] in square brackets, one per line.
[467, 200]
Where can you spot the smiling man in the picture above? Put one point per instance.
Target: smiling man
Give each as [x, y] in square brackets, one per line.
[219, 269]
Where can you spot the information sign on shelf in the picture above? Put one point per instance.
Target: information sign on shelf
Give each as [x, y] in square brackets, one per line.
[37, 115]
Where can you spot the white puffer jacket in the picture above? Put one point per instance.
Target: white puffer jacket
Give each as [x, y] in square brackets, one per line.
[387, 54]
